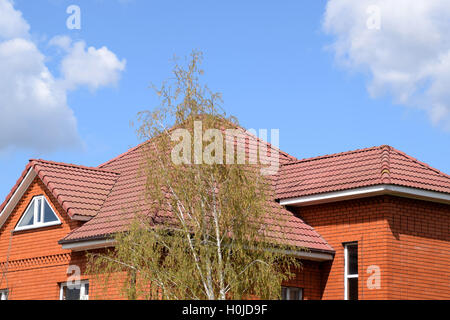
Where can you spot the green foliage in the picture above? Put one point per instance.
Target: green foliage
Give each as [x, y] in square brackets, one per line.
[208, 229]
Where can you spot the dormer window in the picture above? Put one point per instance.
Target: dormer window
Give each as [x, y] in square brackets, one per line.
[37, 215]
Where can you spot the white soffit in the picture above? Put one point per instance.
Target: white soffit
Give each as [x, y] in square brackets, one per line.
[88, 244]
[96, 244]
[368, 192]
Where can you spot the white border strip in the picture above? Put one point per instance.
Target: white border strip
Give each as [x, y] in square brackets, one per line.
[23, 186]
[313, 256]
[89, 244]
[96, 244]
[367, 192]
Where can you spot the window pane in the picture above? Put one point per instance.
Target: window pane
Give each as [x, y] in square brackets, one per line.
[49, 216]
[352, 288]
[300, 294]
[294, 294]
[291, 293]
[283, 294]
[71, 294]
[28, 216]
[39, 208]
[4, 295]
[352, 251]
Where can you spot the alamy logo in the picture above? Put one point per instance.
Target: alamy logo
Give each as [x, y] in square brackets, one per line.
[74, 20]
[235, 144]
[374, 20]
[374, 280]
[73, 281]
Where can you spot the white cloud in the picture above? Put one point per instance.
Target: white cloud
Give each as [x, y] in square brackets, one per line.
[33, 103]
[34, 113]
[11, 22]
[63, 42]
[408, 57]
[90, 67]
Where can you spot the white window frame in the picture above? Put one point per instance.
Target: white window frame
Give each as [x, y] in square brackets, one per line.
[82, 284]
[346, 263]
[288, 292]
[36, 223]
[4, 294]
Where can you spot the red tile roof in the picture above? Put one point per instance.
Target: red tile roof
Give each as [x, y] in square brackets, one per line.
[112, 193]
[126, 199]
[80, 190]
[358, 168]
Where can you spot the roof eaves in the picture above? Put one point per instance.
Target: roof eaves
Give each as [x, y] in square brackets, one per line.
[84, 239]
[110, 236]
[366, 191]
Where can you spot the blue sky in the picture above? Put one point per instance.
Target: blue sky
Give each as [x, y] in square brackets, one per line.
[274, 63]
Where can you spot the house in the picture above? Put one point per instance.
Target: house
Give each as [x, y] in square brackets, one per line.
[376, 222]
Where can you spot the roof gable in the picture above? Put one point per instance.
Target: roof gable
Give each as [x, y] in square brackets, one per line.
[81, 191]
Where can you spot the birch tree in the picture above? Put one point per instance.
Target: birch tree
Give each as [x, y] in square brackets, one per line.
[208, 230]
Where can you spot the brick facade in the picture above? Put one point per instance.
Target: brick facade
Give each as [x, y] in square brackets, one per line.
[419, 249]
[36, 262]
[309, 278]
[407, 239]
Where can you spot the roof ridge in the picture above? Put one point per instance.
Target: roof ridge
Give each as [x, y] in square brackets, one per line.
[287, 155]
[423, 164]
[385, 162]
[72, 165]
[245, 131]
[334, 155]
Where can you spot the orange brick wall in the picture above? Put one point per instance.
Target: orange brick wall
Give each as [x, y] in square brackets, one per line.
[30, 243]
[309, 278]
[407, 239]
[37, 264]
[419, 255]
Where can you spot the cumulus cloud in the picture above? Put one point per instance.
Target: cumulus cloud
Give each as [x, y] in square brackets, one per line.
[33, 108]
[88, 66]
[11, 22]
[33, 103]
[408, 57]
[62, 42]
